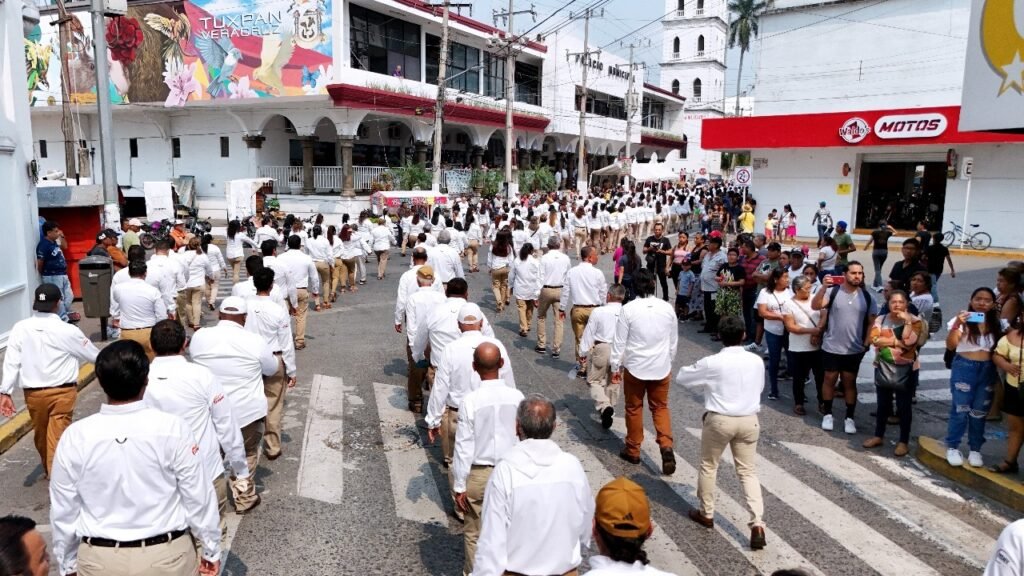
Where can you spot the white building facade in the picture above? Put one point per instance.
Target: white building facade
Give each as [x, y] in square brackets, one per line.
[858, 105]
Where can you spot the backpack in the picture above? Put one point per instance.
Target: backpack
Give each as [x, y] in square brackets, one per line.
[865, 325]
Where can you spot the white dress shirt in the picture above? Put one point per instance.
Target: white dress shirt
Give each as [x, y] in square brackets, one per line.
[495, 262]
[605, 566]
[43, 351]
[301, 270]
[732, 381]
[320, 250]
[439, 327]
[263, 233]
[645, 340]
[235, 247]
[239, 359]
[407, 286]
[128, 473]
[351, 248]
[600, 327]
[538, 511]
[272, 323]
[137, 304]
[216, 258]
[524, 277]
[554, 268]
[584, 286]
[191, 392]
[486, 429]
[381, 238]
[1008, 557]
[197, 268]
[167, 264]
[418, 307]
[247, 289]
[446, 262]
[455, 376]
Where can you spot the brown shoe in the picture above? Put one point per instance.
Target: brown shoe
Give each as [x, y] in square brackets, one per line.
[901, 450]
[629, 457]
[415, 407]
[272, 457]
[701, 519]
[250, 508]
[873, 442]
[757, 539]
[668, 462]
[799, 410]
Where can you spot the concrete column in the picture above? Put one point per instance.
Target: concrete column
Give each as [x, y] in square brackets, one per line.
[308, 186]
[348, 171]
[421, 153]
[478, 157]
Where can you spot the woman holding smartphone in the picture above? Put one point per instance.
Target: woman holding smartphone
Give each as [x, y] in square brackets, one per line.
[973, 334]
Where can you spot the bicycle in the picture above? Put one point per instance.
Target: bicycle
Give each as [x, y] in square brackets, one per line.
[976, 240]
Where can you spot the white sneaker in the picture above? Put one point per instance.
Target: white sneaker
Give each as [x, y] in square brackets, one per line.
[826, 422]
[851, 426]
[954, 457]
[974, 459]
[752, 347]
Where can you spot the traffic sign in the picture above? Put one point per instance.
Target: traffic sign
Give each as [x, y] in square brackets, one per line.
[968, 168]
[744, 175]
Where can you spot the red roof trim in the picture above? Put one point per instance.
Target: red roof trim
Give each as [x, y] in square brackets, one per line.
[364, 98]
[661, 142]
[663, 92]
[466, 21]
[822, 131]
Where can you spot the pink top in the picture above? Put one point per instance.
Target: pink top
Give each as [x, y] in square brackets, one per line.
[615, 258]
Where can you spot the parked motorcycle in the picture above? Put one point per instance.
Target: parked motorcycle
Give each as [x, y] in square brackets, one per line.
[156, 232]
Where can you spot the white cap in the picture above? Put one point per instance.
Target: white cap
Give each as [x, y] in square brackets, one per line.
[233, 305]
[135, 222]
[470, 314]
[177, 222]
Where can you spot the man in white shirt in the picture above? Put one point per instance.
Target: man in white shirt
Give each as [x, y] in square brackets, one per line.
[282, 281]
[191, 392]
[486, 429]
[266, 318]
[455, 378]
[380, 241]
[162, 263]
[732, 381]
[417, 307]
[239, 359]
[554, 268]
[136, 306]
[585, 289]
[643, 348]
[265, 232]
[407, 285]
[446, 260]
[535, 489]
[596, 350]
[128, 484]
[440, 326]
[43, 355]
[622, 523]
[247, 289]
[303, 275]
[1008, 557]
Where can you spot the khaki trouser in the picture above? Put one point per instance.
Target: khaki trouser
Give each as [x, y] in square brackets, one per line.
[549, 299]
[382, 262]
[416, 375]
[579, 315]
[220, 489]
[181, 303]
[210, 290]
[499, 285]
[300, 317]
[274, 387]
[449, 424]
[525, 313]
[50, 410]
[604, 393]
[194, 305]
[634, 390]
[473, 250]
[252, 437]
[348, 273]
[175, 558]
[475, 485]
[140, 335]
[337, 273]
[580, 237]
[236, 266]
[740, 434]
[323, 270]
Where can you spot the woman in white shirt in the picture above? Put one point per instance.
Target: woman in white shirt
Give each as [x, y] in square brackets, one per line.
[485, 220]
[519, 235]
[218, 265]
[336, 268]
[524, 277]
[199, 272]
[769, 307]
[578, 222]
[498, 260]
[594, 225]
[828, 256]
[351, 251]
[235, 248]
[474, 237]
[805, 328]
[319, 250]
[405, 225]
[380, 242]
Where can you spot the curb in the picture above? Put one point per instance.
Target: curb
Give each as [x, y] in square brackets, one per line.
[20, 424]
[1005, 489]
[1007, 253]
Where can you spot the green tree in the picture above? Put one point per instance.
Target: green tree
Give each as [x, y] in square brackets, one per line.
[745, 25]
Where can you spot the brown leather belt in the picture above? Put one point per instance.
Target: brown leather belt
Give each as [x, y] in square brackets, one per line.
[585, 305]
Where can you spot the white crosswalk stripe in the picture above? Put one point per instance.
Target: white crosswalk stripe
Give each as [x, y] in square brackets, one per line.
[933, 381]
[322, 460]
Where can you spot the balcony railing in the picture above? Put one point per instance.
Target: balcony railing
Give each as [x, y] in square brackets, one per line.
[700, 53]
[699, 12]
[675, 55]
[680, 13]
[332, 178]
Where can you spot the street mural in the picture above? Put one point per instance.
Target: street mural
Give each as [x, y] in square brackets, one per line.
[178, 52]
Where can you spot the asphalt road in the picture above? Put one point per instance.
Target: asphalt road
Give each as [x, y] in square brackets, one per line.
[358, 492]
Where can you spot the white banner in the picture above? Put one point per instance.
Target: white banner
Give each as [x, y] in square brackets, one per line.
[159, 201]
[241, 197]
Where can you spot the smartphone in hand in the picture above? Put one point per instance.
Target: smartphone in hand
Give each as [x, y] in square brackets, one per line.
[838, 280]
[975, 317]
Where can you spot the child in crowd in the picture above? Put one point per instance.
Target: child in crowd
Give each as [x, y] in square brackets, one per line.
[687, 279]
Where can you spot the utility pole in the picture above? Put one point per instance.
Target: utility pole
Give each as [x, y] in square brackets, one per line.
[442, 89]
[581, 149]
[111, 210]
[64, 24]
[511, 44]
[631, 107]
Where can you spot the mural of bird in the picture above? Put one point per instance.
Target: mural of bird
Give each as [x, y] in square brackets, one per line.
[220, 57]
[276, 52]
[177, 32]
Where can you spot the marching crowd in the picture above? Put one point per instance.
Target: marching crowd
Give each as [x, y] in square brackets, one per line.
[180, 404]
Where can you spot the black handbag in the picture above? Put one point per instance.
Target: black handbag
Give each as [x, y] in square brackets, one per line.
[947, 358]
[894, 377]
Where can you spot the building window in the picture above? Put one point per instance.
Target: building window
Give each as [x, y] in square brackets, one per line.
[225, 147]
[600, 104]
[175, 147]
[696, 90]
[653, 114]
[675, 86]
[700, 7]
[675, 46]
[460, 59]
[384, 44]
[680, 7]
[42, 149]
[133, 147]
[527, 83]
[700, 45]
[494, 75]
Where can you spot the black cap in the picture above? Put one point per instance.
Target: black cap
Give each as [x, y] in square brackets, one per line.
[46, 296]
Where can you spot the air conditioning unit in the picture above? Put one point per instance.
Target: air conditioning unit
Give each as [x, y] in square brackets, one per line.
[394, 131]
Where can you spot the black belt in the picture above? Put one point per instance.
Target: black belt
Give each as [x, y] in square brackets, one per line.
[278, 352]
[596, 342]
[68, 385]
[155, 540]
[453, 409]
[554, 287]
[585, 305]
[481, 466]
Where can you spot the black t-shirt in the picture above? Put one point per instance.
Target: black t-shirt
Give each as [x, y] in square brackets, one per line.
[662, 243]
[880, 240]
[696, 258]
[924, 238]
[936, 255]
[901, 274]
[738, 272]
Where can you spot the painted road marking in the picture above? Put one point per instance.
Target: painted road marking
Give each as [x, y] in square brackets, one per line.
[322, 463]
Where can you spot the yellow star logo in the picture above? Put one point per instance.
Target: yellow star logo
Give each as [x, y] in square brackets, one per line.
[1002, 25]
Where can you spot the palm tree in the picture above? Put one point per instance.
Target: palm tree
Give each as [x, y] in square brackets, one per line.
[746, 15]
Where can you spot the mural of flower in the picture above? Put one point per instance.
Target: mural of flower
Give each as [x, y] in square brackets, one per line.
[180, 78]
[124, 36]
[241, 89]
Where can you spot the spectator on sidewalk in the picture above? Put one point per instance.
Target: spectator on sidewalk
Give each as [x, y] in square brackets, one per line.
[53, 268]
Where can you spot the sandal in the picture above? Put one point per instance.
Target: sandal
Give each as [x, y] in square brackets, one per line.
[1005, 467]
[316, 308]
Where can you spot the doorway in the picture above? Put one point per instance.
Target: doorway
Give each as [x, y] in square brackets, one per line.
[901, 193]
